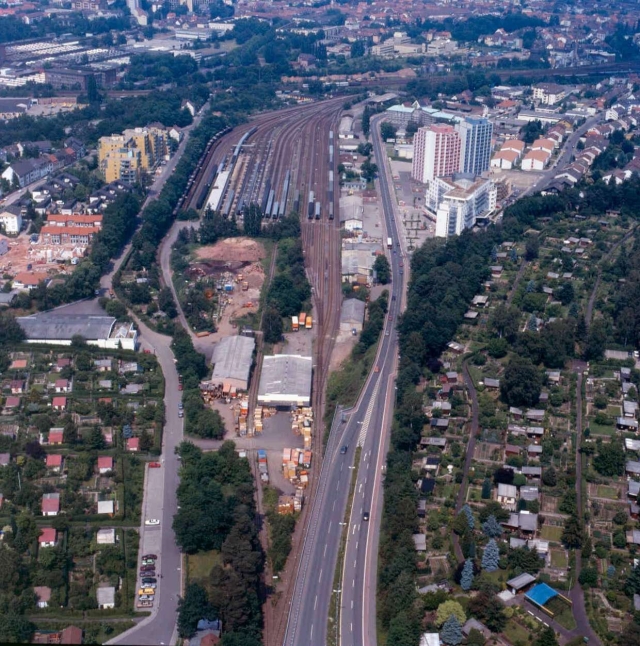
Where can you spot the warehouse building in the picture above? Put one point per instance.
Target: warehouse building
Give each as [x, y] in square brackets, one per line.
[57, 328]
[352, 315]
[232, 359]
[285, 381]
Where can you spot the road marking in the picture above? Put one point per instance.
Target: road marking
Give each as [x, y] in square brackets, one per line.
[325, 548]
[311, 633]
[367, 417]
[354, 529]
[360, 487]
[315, 604]
[355, 561]
[351, 604]
[353, 583]
[320, 577]
[357, 544]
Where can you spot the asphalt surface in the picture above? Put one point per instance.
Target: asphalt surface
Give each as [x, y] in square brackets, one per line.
[364, 425]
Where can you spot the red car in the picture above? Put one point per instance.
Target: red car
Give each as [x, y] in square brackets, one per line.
[149, 556]
[179, 386]
[154, 465]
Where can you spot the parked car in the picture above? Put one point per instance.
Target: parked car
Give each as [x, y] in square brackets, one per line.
[149, 579]
[147, 568]
[152, 521]
[154, 465]
[149, 562]
[148, 573]
[150, 556]
[180, 413]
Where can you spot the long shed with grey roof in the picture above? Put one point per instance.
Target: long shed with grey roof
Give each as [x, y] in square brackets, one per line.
[232, 359]
[285, 380]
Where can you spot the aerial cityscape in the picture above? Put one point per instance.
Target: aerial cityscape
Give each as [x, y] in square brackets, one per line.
[320, 322]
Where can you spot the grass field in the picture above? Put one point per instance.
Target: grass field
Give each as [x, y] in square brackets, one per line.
[598, 429]
[551, 533]
[515, 633]
[199, 566]
[604, 491]
[559, 559]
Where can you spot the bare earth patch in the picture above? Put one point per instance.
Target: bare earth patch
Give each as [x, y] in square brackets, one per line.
[233, 250]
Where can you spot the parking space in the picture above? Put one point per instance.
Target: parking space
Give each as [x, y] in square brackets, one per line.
[151, 535]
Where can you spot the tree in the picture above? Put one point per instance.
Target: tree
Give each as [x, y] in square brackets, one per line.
[532, 248]
[630, 635]
[368, 170]
[521, 383]
[387, 131]
[15, 629]
[610, 460]
[549, 477]
[10, 330]
[487, 488]
[448, 608]
[191, 608]
[546, 638]
[451, 632]
[272, 325]
[632, 584]
[491, 527]
[466, 579]
[382, 269]
[572, 534]
[166, 302]
[366, 121]
[491, 556]
[522, 559]
[588, 577]
[466, 510]
[252, 219]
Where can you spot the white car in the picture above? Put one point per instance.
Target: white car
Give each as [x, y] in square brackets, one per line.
[152, 521]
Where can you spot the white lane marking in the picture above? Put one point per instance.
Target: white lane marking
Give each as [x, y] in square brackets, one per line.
[320, 577]
[325, 548]
[367, 417]
[353, 583]
[315, 604]
[354, 529]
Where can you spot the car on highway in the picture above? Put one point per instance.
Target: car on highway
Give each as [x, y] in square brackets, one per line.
[376, 369]
[386, 333]
[365, 516]
[152, 521]
[343, 450]
[393, 298]
[149, 556]
[402, 272]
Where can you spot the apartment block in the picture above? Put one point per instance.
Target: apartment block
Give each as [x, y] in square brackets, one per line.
[436, 153]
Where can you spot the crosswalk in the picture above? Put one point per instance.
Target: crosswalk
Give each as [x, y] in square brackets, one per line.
[367, 417]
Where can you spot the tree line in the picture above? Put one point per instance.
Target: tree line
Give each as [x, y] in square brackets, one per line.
[217, 512]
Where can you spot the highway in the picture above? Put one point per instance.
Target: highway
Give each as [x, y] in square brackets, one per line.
[367, 426]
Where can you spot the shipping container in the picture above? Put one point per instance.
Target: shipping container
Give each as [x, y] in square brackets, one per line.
[309, 322]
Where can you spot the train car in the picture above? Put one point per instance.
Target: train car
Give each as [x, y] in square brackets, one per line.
[296, 201]
[331, 155]
[274, 211]
[267, 211]
[331, 210]
[281, 208]
[310, 206]
[265, 195]
[228, 202]
[330, 135]
[318, 209]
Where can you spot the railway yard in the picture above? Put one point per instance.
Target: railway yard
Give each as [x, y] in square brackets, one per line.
[284, 162]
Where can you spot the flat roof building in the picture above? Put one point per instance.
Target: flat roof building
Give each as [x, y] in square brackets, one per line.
[232, 359]
[57, 328]
[285, 380]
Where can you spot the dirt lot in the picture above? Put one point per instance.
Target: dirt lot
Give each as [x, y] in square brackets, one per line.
[17, 258]
[229, 259]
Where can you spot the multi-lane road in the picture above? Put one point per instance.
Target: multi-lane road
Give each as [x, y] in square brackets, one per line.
[367, 426]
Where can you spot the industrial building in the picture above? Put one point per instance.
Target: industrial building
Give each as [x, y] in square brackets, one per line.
[285, 381]
[232, 359]
[57, 328]
[352, 315]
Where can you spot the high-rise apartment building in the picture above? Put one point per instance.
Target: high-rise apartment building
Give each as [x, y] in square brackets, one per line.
[125, 156]
[475, 145]
[436, 152]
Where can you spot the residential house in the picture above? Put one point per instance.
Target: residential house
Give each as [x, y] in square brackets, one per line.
[56, 436]
[626, 424]
[11, 403]
[63, 386]
[28, 280]
[54, 462]
[474, 624]
[531, 472]
[492, 384]
[106, 598]
[443, 407]
[633, 537]
[535, 415]
[420, 542]
[529, 493]
[633, 488]
[61, 363]
[50, 504]
[106, 536]
[59, 403]
[5, 459]
[48, 537]
[521, 583]
[105, 464]
[534, 451]
[525, 521]
[106, 507]
[11, 219]
[535, 160]
[507, 495]
[632, 468]
[43, 596]
[133, 444]
[17, 387]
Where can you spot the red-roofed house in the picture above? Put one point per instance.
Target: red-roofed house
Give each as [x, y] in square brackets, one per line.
[63, 386]
[63, 362]
[54, 462]
[17, 387]
[12, 402]
[105, 464]
[18, 364]
[50, 504]
[133, 444]
[59, 403]
[56, 437]
[71, 635]
[48, 537]
[43, 593]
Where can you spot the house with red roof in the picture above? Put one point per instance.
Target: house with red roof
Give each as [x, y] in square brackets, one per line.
[48, 537]
[105, 464]
[17, 387]
[12, 402]
[50, 504]
[43, 594]
[63, 386]
[56, 437]
[54, 462]
[133, 444]
[59, 403]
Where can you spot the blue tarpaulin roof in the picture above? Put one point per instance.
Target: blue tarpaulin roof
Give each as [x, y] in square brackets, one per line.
[541, 594]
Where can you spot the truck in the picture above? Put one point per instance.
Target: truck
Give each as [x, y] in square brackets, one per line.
[301, 319]
[294, 323]
[389, 243]
[309, 322]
